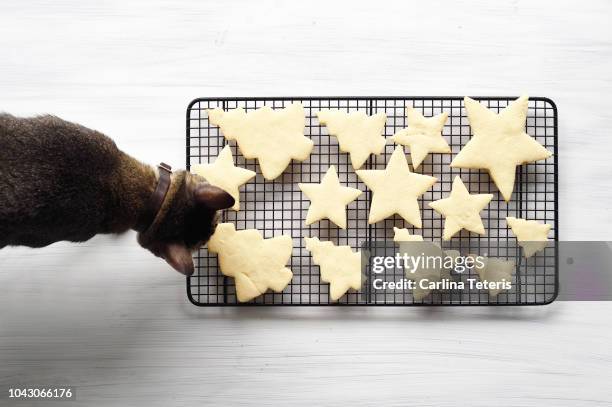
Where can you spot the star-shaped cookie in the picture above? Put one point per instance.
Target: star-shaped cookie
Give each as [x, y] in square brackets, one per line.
[256, 264]
[358, 134]
[423, 135]
[328, 199]
[273, 137]
[499, 143]
[340, 266]
[461, 210]
[531, 235]
[396, 189]
[223, 174]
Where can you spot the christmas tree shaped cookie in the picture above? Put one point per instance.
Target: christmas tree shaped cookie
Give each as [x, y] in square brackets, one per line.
[223, 174]
[403, 235]
[499, 143]
[358, 134]
[423, 274]
[423, 135]
[256, 264]
[496, 271]
[532, 236]
[273, 137]
[340, 266]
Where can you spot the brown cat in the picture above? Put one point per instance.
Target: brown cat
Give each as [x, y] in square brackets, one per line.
[62, 181]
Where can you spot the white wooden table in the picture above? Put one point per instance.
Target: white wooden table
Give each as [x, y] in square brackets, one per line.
[110, 319]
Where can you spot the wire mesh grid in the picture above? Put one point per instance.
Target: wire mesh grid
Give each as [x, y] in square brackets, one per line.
[279, 207]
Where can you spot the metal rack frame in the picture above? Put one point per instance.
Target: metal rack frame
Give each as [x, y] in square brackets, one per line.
[277, 207]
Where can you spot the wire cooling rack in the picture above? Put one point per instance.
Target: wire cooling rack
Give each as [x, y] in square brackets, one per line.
[279, 207]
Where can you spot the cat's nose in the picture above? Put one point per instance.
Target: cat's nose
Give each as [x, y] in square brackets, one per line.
[211, 230]
[215, 221]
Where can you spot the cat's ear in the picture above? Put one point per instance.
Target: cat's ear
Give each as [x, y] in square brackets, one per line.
[179, 257]
[213, 197]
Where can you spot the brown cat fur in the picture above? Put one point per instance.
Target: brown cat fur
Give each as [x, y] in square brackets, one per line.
[62, 181]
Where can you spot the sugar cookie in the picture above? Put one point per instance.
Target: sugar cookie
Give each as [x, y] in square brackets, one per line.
[531, 235]
[499, 143]
[255, 263]
[358, 134]
[328, 199]
[396, 189]
[423, 274]
[273, 137]
[223, 174]
[461, 210]
[423, 135]
[403, 235]
[340, 266]
[496, 271]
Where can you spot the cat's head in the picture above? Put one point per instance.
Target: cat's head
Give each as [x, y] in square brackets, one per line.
[185, 221]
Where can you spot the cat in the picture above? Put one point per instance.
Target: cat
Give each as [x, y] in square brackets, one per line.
[60, 181]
